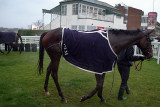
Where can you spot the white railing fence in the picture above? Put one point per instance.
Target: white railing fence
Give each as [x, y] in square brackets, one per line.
[155, 49]
[27, 40]
[31, 40]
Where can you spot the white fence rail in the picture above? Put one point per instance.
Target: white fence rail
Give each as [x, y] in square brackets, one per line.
[31, 40]
[27, 40]
[155, 49]
[137, 52]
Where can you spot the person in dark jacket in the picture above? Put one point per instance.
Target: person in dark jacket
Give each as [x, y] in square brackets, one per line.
[124, 63]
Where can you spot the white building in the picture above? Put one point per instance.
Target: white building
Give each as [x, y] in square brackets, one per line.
[84, 15]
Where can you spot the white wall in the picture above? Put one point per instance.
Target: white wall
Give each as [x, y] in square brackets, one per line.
[118, 23]
[54, 24]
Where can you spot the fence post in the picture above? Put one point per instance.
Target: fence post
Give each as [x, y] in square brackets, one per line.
[158, 57]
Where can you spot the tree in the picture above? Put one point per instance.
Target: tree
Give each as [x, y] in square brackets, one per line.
[38, 23]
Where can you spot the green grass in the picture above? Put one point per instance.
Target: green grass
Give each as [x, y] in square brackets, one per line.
[21, 86]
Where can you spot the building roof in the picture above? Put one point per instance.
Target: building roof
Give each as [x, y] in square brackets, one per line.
[100, 3]
[55, 10]
[110, 9]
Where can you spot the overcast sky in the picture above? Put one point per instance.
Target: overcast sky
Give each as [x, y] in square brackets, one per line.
[21, 13]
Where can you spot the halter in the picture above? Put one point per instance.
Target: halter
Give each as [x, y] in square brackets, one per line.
[146, 50]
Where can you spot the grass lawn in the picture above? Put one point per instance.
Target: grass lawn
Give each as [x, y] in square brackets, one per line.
[21, 86]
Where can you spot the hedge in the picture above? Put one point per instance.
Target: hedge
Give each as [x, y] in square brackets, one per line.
[31, 32]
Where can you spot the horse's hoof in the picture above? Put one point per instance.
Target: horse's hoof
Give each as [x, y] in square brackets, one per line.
[103, 101]
[64, 101]
[83, 99]
[47, 93]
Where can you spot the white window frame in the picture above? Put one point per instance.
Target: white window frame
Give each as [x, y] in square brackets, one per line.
[95, 13]
[64, 10]
[74, 27]
[81, 27]
[75, 9]
[84, 9]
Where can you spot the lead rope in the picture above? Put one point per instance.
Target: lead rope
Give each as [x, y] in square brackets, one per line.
[113, 77]
[112, 82]
[136, 65]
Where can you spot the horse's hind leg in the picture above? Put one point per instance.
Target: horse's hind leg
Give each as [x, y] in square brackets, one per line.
[99, 80]
[49, 69]
[10, 46]
[55, 55]
[55, 78]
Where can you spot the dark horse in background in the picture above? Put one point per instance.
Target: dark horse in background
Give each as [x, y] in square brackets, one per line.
[8, 38]
[119, 40]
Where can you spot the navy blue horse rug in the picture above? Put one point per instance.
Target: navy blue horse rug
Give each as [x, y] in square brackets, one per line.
[90, 51]
[6, 37]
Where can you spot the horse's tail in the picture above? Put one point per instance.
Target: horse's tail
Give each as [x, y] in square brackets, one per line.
[21, 42]
[41, 54]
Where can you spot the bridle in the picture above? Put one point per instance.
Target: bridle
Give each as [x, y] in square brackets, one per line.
[145, 52]
[146, 49]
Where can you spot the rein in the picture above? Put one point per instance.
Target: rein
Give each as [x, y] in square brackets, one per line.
[136, 65]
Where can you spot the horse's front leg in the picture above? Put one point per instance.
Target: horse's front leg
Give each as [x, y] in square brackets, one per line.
[99, 80]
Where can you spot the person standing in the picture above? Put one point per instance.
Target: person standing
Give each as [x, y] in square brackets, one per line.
[124, 63]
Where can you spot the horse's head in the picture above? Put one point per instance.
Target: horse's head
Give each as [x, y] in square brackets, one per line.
[145, 44]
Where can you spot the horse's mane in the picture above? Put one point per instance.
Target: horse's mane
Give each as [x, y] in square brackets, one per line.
[127, 32]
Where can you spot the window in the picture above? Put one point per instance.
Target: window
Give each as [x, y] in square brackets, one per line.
[90, 11]
[64, 10]
[89, 28]
[83, 9]
[144, 20]
[86, 11]
[99, 13]
[75, 9]
[81, 27]
[126, 11]
[74, 27]
[95, 13]
[103, 12]
[80, 7]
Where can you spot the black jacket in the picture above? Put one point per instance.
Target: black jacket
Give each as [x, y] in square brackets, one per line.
[126, 57]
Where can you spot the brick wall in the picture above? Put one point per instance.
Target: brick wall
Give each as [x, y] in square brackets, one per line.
[134, 17]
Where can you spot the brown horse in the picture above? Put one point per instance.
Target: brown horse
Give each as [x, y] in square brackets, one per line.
[8, 38]
[119, 40]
